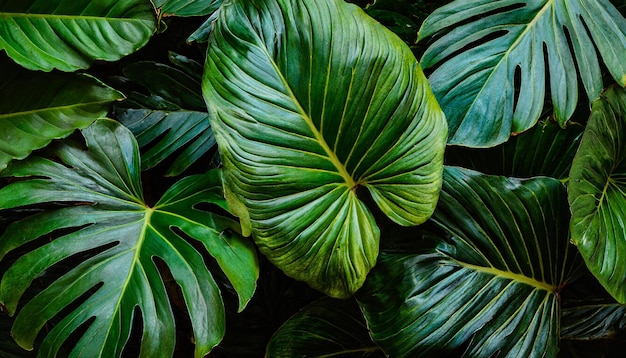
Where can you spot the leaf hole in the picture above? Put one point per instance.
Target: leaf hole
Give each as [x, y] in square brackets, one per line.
[212, 208]
[74, 337]
[133, 345]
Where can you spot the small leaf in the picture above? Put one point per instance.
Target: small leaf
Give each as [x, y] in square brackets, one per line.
[597, 193]
[325, 328]
[310, 100]
[70, 35]
[110, 219]
[33, 114]
[490, 59]
[489, 286]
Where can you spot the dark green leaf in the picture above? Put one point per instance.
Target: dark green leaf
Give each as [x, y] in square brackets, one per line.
[110, 219]
[325, 328]
[37, 108]
[544, 150]
[597, 193]
[593, 322]
[310, 100]
[492, 57]
[70, 35]
[187, 7]
[489, 287]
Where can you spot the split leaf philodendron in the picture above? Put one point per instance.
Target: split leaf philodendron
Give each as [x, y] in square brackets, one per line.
[310, 101]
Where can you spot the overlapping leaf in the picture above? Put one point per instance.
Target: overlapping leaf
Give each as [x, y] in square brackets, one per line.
[71, 34]
[37, 108]
[490, 62]
[124, 243]
[546, 150]
[325, 328]
[173, 119]
[490, 286]
[310, 100]
[603, 321]
[187, 7]
[597, 193]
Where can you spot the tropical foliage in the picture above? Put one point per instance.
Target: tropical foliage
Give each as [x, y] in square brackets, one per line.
[286, 178]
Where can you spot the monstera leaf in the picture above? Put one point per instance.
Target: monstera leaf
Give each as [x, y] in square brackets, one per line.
[489, 286]
[124, 244]
[311, 101]
[325, 328]
[187, 7]
[32, 114]
[597, 193]
[489, 63]
[70, 35]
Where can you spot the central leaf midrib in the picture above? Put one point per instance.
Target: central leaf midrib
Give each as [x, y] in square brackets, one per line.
[317, 134]
[510, 275]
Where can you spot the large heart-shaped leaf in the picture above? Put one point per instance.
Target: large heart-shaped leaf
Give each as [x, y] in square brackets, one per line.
[124, 243]
[489, 286]
[37, 108]
[597, 193]
[70, 35]
[490, 63]
[325, 328]
[310, 100]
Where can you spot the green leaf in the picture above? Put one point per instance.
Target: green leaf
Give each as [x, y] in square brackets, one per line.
[603, 321]
[37, 108]
[489, 60]
[544, 150]
[125, 237]
[325, 328]
[597, 193]
[487, 287]
[309, 101]
[186, 130]
[187, 7]
[70, 35]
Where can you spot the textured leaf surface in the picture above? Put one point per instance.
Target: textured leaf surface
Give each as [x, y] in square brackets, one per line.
[37, 108]
[485, 43]
[71, 34]
[310, 100]
[325, 328]
[597, 193]
[125, 238]
[593, 322]
[490, 286]
[544, 150]
[187, 7]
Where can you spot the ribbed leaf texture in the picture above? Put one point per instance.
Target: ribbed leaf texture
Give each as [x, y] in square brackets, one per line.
[71, 34]
[309, 101]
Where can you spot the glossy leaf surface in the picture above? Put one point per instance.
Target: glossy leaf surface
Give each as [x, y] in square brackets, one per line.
[123, 242]
[484, 45]
[597, 193]
[325, 328]
[310, 100]
[33, 114]
[489, 286]
[71, 34]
